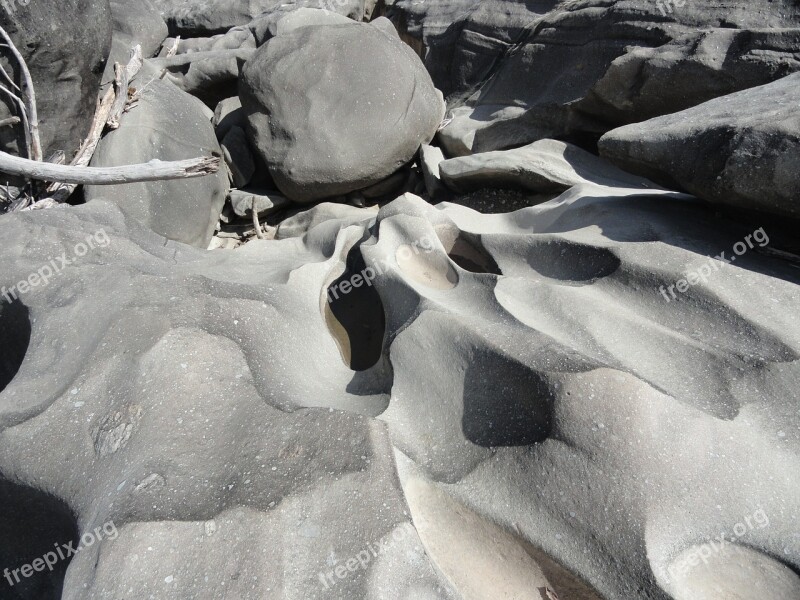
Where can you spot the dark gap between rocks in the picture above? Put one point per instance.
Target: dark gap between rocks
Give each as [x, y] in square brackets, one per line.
[32, 525]
[15, 336]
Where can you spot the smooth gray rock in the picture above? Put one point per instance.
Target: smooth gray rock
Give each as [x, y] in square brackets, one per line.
[227, 114]
[306, 17]
[702, 65]
[235, 39]
[336, 108]
[742, 150]
[198, 18]
[386, 26]
[65, 44]
[135, 23]
[460, 40]
[430, 159]
[208, 408]
[266, 26]
[139, 22]
[211, 75]
[543, 166]
[167, 124]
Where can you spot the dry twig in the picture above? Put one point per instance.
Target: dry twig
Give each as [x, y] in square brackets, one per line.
[23, 117]
[33, 115]
[174, 50]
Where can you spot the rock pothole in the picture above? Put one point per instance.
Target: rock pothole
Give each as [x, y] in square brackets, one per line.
[355, 316]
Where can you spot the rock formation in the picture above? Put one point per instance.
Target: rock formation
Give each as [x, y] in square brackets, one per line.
[352, 341]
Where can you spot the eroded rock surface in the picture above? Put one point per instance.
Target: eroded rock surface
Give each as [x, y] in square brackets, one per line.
[530, 371]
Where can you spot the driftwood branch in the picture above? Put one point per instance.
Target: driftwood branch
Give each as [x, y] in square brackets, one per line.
[89, 145]
[58, 193]
[123, 77]
[174, 48]
[155, 170]
[65, 178]
[33, 114]
[8, 79]
[23, 117]
[256, 224]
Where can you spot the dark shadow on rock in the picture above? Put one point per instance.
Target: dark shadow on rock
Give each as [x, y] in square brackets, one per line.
[355, 315]
[571, 262]
[33, 527]
[15, 336]
[505, 402]
[469, 254]
[693, 225]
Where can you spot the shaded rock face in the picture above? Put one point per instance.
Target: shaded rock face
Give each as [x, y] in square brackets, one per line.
[742, 150]
[337, 108]
[461, 40]
[591, 65]
[530, 370]
[208, 17]
[139, 22]
[649, 82]
[65, 44]
[166, 124]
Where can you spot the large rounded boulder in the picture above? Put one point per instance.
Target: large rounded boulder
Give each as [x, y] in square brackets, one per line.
[335, 108]
[167, 124]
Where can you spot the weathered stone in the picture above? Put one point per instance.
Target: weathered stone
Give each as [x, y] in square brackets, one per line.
[742, 150]
[167, 124]
[336, 108]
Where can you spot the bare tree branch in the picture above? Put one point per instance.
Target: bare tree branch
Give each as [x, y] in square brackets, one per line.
[58, 193]
[33, 114]
[124, 75]
[256, 224]
[174, 49]
[24, 117]
[8, 79]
